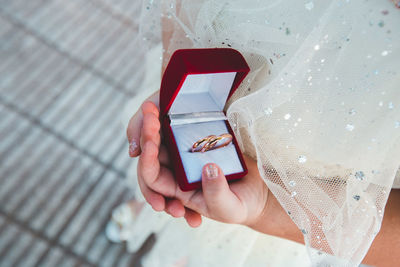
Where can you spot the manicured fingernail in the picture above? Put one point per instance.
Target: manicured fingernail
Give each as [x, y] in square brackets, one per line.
[211, 171]
[132, 148]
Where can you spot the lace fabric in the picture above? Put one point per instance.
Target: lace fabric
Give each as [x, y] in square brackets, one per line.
[319, 111]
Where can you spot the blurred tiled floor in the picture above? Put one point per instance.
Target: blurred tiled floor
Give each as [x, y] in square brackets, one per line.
[66, 70]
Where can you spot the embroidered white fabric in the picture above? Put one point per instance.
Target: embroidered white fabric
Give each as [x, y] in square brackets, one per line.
[319, 111]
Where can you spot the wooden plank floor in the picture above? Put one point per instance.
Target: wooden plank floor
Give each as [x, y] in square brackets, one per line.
[66, 70]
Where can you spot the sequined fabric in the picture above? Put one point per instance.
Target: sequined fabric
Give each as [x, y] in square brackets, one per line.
[320, 109]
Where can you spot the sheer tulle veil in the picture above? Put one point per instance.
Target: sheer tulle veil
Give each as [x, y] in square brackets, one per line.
[320, 109]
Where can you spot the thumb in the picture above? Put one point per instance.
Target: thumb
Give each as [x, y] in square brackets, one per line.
[222, 203]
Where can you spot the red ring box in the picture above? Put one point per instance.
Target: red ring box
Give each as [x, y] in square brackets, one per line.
[194, 89]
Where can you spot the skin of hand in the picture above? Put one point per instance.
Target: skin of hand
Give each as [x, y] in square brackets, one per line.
[241, 202]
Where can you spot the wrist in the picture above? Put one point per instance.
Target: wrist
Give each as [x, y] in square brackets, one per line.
[275, 221]
[258, 223]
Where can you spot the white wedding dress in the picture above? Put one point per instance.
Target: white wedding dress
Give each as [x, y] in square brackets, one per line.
[319, 111]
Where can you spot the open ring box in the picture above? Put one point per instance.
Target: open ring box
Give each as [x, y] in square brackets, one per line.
[195, 87]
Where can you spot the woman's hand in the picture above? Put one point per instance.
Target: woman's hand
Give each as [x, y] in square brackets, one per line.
[241, 202]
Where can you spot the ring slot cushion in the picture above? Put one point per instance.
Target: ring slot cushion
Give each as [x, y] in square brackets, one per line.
[195, 87]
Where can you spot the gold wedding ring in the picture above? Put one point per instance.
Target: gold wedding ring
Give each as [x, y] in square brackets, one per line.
[211, 142]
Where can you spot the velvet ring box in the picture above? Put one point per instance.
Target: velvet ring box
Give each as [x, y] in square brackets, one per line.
[195, 87]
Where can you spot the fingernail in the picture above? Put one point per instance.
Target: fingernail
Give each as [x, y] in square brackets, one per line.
[211, 171]
[132, 148]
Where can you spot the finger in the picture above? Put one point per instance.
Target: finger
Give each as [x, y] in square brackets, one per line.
[195, 201]
[156, 200]
[175, 208]
[193, 218]
[159, 178]
[133, 133]
[221, 202]
[150, 129]
[156, 177]
[148, 164]
[133, 130]
[135, 127]
[150, 107]
[163, 156]
[149, 169]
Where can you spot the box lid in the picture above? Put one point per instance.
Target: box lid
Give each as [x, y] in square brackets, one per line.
[201, 80]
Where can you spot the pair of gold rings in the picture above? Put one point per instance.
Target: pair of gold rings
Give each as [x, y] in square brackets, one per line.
[212, 142]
